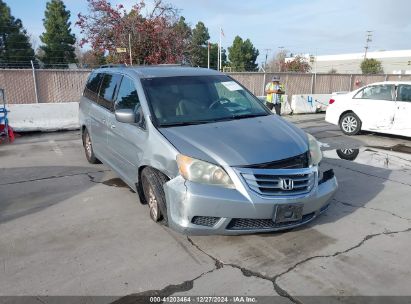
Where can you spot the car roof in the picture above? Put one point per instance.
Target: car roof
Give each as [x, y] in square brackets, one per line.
[390, 82]
[159, 71]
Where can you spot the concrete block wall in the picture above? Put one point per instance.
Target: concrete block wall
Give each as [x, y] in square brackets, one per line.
[44, 116]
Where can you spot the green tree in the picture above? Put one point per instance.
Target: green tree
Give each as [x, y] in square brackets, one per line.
[371, 66]
[15, 47]
[57, 39]
[183, 30]
[298, 64]
[198, 45]
[243, 55]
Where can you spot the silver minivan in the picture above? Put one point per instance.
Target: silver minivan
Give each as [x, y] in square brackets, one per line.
[205, 154]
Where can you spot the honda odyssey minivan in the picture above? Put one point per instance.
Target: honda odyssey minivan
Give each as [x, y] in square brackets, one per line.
[201, 151]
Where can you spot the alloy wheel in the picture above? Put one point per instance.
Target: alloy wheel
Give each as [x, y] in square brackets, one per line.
[88, 146]
[153, 205]
[349, 124]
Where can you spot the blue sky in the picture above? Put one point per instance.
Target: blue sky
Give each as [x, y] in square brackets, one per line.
[316, 26]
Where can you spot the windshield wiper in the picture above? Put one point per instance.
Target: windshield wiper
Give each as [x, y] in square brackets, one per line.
[248, 116]
[186, 123]
[199, 122]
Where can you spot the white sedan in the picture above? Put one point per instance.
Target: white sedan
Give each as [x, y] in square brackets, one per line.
[379, 107]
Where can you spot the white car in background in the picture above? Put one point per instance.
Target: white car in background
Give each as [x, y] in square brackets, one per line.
[383, 107]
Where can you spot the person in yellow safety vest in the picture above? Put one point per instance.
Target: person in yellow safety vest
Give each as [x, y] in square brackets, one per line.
[275, 92]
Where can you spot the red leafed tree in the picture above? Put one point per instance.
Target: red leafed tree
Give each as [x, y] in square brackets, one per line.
[298, 64]
[154, 36]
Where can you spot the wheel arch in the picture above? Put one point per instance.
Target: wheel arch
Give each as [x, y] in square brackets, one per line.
[346, 112]
[139, 185]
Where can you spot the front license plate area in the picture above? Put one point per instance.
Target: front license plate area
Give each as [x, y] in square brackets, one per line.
[288, 213]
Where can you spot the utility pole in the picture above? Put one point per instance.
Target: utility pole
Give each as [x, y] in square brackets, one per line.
[367, 41]
[281, 49]
[266, 56]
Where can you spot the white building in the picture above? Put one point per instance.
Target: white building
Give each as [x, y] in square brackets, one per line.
[393, 62]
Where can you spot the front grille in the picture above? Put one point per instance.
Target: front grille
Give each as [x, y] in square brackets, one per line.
[280, 184]
[208, 221]
[296, 162]
[264, 224]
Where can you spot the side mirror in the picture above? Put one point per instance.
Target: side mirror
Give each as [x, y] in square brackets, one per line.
[125, 116]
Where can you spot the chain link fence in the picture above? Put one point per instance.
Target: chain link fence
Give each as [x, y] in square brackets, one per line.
[24, 86]
[52, 86]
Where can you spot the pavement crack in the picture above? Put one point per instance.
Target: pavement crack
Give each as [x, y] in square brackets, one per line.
[92, 178]
[280, 290]
[247, 273]
[164, 292]
[52, 177]
[40, 300]
[362, 242]
[371, 208]
[218, 263]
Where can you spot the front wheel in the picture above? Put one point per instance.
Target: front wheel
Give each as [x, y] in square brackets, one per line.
[350, 124]
[88, 148]
[152, 182]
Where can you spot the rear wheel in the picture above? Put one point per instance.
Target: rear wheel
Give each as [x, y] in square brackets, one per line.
[152, 182]
[348, 154]
[350, 124]
[88, 148]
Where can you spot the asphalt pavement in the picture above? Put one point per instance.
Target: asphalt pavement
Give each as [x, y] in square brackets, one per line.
[74, 229]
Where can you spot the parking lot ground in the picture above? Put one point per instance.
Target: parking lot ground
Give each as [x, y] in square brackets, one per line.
[71, 228]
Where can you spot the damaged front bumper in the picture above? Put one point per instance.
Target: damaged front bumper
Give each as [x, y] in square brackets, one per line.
[199, 209]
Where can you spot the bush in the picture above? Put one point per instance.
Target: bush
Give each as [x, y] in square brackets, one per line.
[371, 66]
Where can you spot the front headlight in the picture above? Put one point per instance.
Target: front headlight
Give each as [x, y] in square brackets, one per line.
[202, 172]
[315, 151]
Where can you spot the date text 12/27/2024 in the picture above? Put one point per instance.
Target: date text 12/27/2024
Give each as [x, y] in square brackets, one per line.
[203, 299]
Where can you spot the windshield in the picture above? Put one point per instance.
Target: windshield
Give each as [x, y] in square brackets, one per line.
[199, 99]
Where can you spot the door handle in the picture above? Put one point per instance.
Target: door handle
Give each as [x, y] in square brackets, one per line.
[113, 126]
[103, 121]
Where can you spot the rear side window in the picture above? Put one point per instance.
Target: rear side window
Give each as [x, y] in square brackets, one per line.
[378, 92]
[127, 97]
[404, 93]
[93, 86]
[108, 89]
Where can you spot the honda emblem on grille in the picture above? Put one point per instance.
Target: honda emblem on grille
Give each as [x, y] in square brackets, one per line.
[286, 184]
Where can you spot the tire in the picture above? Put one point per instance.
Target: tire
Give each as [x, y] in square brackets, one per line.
[88, 148]
[348, 154]
[350, 124]
[152, 182]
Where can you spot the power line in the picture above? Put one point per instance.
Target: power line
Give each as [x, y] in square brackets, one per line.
[367, 41]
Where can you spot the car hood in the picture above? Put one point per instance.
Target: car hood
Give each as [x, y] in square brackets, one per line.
[239, 142]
